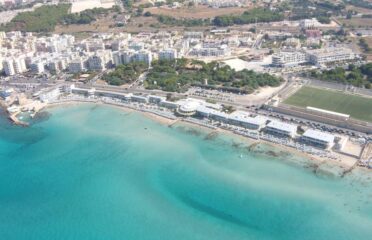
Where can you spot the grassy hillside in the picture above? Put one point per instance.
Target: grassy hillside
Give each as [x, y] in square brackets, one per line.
[45, 18]
[42, 19]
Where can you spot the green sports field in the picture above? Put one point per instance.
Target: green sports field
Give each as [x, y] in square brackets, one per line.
[356, 106]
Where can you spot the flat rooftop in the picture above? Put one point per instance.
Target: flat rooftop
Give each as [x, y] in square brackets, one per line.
[318, 135]
[244, 117]
[282, 126]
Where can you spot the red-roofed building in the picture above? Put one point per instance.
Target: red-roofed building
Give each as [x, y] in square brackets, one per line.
[313, 33]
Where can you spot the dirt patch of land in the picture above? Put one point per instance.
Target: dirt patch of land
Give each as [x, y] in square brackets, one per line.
[141, 2]
[358, 9]
[151, 24]
[198, 12]
[369, 42]
[356, 22]
[141, 24]
[104, 24]
[77, 28]
[108, 24]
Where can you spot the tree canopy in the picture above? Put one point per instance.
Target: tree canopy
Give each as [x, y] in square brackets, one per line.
[125, 73]
[45, 18]
[356, 76]
[168, 20]
[84, 17]
[250, 16]
[42, 19]
[178, 76]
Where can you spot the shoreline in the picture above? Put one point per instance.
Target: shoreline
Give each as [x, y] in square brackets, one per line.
[158, 118]
[344, 165]
[34, 107]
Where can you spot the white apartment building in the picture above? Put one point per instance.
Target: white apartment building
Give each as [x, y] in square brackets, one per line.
[316, 57]
[281, 129]
[58, 64]
[54, 66]
[50, 95]
[94, 45]
[53, 47]
[137, 46]
[327, 55]
[37, 67]
[77, 65]
[96, 63]
[13, 66]
[181, 46]
[2, 35]
[20, 64]
[100, 60]
[194, 35]
[243, 119]
[222, 50]
[309, 23]
[292, 42]
[156, 99]
[116, 58]
[168, 54]
[118, 45]
[8, 67]
[285, 59]
[128, 56]
[16, 34]
[123, 57]
[318, 138]
[142, 56]
[224, 3]
[137, 98]
[276, 35]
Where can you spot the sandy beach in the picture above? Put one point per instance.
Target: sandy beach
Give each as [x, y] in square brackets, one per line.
[152, 116]
[343, 164]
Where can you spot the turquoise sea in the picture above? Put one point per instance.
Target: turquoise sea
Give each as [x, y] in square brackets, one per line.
[97, 172]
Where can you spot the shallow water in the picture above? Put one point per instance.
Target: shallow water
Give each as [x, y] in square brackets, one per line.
[96, 172]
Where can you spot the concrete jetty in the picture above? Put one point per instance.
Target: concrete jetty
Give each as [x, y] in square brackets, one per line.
[16, 121]
[13, 108]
